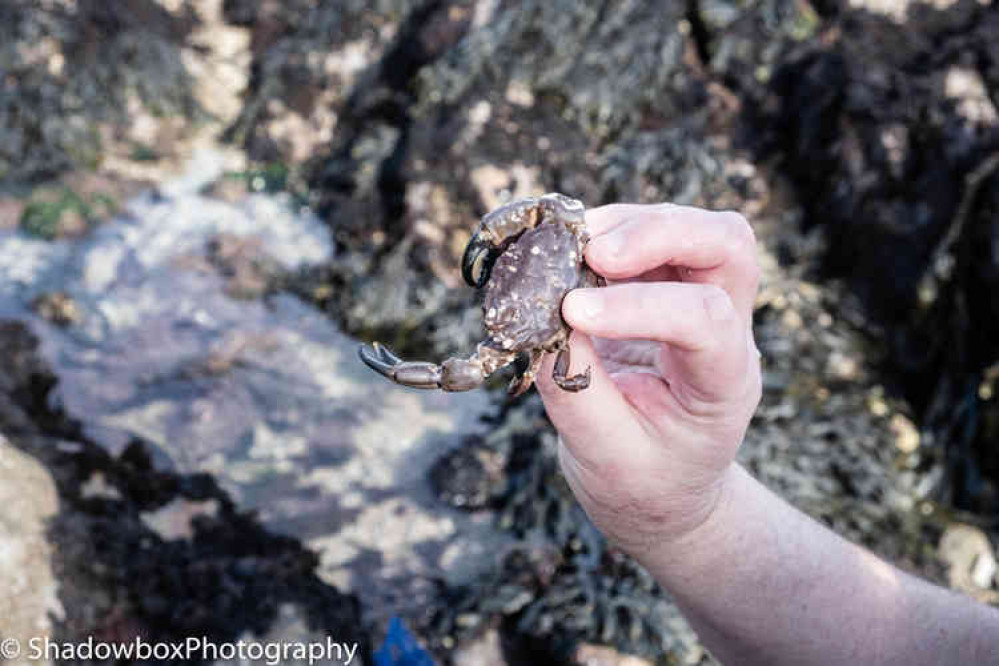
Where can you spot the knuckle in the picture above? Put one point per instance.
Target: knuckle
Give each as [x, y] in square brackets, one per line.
[737, 228]
[718, 305]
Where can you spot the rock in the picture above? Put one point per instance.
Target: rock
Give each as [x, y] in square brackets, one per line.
[117, 580]
[743, 41]
[300, 644]
[11, 211]
[984, 571]
[78, 65]
[307, 58]
[470, 476]
[266, 396]
[175, 520]
[842, 366]
[409, 120]
[55, 213]
[906, 433]
[98, 487]
[895, 223]
[966, 88]
[230, 188]
[969, 556]
[29, 592]
[484, 651]
[57, 307]
[249, 270]
[597, 655]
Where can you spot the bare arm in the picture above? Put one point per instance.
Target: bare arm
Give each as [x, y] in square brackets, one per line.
[648, 450]
[764, 584]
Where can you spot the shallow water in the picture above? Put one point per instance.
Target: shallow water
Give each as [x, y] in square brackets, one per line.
[266, 395]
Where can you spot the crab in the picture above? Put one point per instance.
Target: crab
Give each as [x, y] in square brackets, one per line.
[527, 255]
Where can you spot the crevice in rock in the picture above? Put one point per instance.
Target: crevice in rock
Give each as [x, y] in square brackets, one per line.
[699, 32]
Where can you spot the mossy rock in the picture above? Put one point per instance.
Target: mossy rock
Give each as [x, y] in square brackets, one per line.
[62, 213]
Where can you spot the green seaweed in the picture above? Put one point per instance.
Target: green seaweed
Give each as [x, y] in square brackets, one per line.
[43, 215]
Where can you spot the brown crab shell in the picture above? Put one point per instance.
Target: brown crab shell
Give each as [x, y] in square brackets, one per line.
[522, 308]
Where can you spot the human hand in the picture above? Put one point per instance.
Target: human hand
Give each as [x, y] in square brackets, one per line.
[648, 447]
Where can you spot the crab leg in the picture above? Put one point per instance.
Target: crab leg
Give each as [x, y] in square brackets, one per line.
[520, 384]
[574, 383]
[454, 374]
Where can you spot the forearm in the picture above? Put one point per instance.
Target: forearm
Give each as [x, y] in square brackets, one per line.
[764, 584]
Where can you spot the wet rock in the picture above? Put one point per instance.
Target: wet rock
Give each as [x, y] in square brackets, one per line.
[116, 578]
[57, 307]
[307, 58]
[470, 476]
[29, 599]
[75, 68]
[970, 559]
[559, 583]
[409, 120]
[680, 165]
[596, 655]
[249, 270]
[826, 439]
[264, 395]
[291, 629]
[11, 211]
[97, 487]
[485, 651]
[850, 102]
[906, 434]
[460, 106]
[176, 519]
[743, 41]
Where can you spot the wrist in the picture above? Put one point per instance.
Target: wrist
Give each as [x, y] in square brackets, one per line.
[708, 530]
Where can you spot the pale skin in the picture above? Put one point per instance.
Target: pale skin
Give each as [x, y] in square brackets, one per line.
[649, 451]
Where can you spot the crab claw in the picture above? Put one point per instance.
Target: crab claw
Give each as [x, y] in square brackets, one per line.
[379, 358]
[479, 258]
[453, 375]
[384, 362]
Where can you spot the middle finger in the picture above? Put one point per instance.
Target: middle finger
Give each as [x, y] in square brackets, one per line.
[630, 240]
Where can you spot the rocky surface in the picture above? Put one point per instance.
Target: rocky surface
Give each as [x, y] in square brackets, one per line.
[28, 500]
[89, 555]
[264, 395]
[899, 126]
[194, 395]
[79, 75]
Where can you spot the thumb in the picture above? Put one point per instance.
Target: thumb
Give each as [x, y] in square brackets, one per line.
[597, 424]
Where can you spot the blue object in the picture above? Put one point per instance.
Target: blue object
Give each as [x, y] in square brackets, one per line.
[401, 648]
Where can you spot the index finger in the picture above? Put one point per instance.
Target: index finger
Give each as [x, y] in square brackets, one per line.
[719, 248]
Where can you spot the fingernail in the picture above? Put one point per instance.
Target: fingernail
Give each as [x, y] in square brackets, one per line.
[610, 245]
[584, 304]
